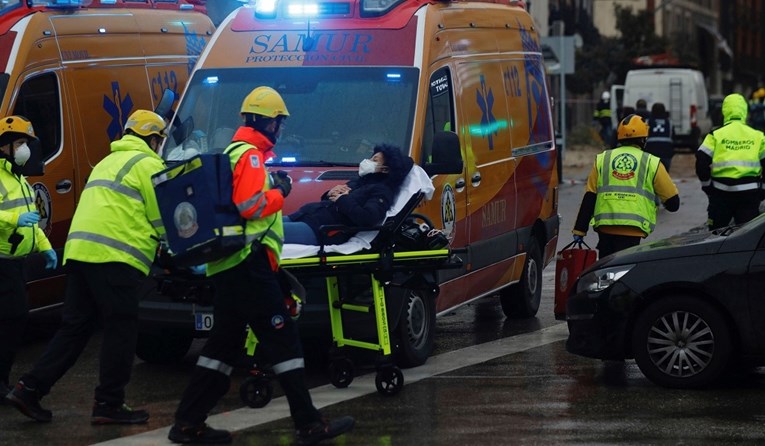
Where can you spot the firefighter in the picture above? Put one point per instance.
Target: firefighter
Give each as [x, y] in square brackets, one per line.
[248, 291]
[729, 164]
[623, 189]
[19, 236]
[111, 245]
[602, 116]
[757, 109]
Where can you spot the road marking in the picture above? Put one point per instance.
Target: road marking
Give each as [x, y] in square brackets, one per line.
[327, 395]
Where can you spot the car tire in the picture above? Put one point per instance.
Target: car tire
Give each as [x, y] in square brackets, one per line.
[162, 349]
[521, 300]
[416, 329]
[681, 342]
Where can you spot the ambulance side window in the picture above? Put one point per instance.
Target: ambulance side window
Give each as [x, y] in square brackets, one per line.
[40, 102]
[440, 111]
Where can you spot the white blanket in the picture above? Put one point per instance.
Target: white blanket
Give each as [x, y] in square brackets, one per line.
[417, 180]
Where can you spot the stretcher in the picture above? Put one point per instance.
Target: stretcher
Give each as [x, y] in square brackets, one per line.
[381, 259]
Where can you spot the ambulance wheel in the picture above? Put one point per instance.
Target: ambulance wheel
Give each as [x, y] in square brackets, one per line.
[256, 391]
[341, 372]
[521, 300]
[163, 348]
[416, 329]
[389, 380]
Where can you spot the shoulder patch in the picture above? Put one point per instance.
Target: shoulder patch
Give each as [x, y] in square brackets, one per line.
[254, 161]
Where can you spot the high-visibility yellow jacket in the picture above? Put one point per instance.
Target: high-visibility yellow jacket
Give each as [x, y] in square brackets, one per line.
[16, 198]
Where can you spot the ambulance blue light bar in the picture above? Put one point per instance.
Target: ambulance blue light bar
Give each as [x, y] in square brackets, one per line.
[265, 8]
[62, 4]
[302, 10]
[210, 80]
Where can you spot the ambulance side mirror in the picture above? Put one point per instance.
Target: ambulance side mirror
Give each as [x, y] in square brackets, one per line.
[446, 156]
[165, 106]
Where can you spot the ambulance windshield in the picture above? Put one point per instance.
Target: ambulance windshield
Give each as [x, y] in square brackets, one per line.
[9, 5]
[337, 114]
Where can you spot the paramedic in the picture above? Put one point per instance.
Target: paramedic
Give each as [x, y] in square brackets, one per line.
[729, 164]
[602, 116]
[622, 191]
[19, 237]
[247, 291]
[363, 201]
[659, 141]
[111, 245]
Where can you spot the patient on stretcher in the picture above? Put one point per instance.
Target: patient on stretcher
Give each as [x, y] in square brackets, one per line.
[361, 202]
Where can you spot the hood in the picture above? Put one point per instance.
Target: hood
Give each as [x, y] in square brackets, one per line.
[131, 142]
[734, 107]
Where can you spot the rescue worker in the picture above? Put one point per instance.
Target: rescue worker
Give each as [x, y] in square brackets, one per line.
[247, 291]
[659, 141]
[623, 190]
[729, 164]
[19, 236]
[111, 245]
[757, 109]
[602, 116]
[641, 109]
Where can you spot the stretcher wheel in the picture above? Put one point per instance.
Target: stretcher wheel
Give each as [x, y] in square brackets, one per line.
[341, 373]
[256, 391]
[389, 380]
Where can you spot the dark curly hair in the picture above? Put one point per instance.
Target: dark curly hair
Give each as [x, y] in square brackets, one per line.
[398, 164]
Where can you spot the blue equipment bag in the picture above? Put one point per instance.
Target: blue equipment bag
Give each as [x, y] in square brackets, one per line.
[200, 218]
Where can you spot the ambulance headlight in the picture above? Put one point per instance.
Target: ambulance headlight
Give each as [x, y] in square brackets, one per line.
[601, 279]
[371, 8]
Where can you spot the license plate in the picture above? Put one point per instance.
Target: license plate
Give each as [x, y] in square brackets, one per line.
[203, 321]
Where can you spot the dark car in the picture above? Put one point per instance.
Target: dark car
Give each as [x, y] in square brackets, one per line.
[685, 308]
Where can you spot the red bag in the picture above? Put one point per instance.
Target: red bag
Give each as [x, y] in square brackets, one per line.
[570, 263]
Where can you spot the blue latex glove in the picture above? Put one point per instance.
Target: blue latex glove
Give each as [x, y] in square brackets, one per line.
[51, 259]
[578, 239]
[199, 270]
[28, 219]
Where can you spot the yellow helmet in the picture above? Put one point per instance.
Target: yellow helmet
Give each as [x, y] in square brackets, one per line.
[145, 123]
[17, 124]
[265, 101]
[760, 93]
[632, 126]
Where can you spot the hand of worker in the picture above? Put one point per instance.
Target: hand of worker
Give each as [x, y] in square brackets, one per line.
[578, 239]
[51, 259]
[28, 219]
[281, 180]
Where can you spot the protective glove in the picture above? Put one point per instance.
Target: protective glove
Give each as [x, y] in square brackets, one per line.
[281, 180]
[198, 270]
[28, 219]
[578, 239]
[51, 259]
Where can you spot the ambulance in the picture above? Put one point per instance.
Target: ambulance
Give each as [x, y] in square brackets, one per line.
[77, 69]
[458, 85]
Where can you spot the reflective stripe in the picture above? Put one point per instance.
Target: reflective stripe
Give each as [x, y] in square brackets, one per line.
[112, 243]
[752, 164]
[12, 204]
[628, 189]
[214, 364]
[129, 165]
[288, 365]
[3, 190]
[252, 201]
[706, 150]
[116, 187]
[706, 183]
[659, 139]
[734, 188]
[249, 238]
[157, 224]
[627, 216]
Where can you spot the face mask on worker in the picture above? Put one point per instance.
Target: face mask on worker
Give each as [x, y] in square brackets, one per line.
[366, 167]
[21, 154]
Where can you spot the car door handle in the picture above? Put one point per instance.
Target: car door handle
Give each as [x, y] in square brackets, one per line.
[64, 186]
[459, 184]
[475, 180]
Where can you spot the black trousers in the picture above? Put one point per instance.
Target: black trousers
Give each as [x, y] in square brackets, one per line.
[611, 243]
[739, 206]
[94, 291]
[13, 313]
[250, 294]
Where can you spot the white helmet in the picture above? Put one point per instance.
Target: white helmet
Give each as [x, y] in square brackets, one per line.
[605, 96]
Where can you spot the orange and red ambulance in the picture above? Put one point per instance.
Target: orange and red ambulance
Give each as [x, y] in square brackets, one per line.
[356, 73]
[77, 69]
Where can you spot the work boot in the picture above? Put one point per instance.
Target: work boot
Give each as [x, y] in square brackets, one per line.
[27, 401]
[323, 430]
[198, 434]
[122, 414]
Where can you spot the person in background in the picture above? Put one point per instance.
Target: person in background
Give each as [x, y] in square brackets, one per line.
[248, 291]
[757, 109]
[641, 109]
[110, 248]
[602, 116]
[659, 141]
[623, 189]
[19, 237]
[362, 201]
[729, 164]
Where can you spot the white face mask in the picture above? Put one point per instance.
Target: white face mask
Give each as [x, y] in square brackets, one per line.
[21, 154]
[366, 167]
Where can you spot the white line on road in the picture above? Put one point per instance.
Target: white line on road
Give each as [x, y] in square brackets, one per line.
[363, 385]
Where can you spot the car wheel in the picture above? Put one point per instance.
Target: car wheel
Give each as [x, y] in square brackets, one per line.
[521, 300]
[162, 349]
[681, 342]
[416, 329]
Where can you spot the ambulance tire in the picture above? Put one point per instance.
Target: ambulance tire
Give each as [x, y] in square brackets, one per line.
[416, 329]
[521, 300]
[162, 349]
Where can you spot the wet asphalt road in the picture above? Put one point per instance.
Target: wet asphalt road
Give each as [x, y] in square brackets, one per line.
[491, 381]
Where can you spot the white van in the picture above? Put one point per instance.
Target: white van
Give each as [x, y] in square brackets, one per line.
[681, 90]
